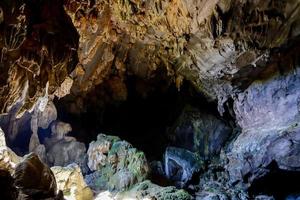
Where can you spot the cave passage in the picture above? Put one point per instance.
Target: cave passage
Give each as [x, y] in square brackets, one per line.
[143, 121]
[281, 184]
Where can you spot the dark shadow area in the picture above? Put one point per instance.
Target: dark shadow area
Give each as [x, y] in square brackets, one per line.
[142, 121]
[277, 183]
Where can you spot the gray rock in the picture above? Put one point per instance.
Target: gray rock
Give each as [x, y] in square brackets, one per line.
[268, 113]
[116, 165]
[264, 197]
[200, 132]
[214, 184]
[180, 165]
[65, 152]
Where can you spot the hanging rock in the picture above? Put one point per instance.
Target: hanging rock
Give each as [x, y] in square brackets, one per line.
[116, 163]
[47, 116]
[70, 180]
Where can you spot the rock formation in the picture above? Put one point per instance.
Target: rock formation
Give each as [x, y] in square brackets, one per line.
[8, 159]
[228, 72]
[70, 180]
[117, 165]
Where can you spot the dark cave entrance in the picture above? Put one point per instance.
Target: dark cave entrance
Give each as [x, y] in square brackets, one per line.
[281, 184]
[142, 121]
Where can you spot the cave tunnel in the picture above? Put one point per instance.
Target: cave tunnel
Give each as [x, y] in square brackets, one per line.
[144, 121]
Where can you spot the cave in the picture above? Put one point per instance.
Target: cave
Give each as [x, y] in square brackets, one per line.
[144, 121]
[164, 100]
[279, 183]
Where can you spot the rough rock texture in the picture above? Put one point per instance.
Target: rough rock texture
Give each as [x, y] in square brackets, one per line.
[200, 132]
[180, 165]
[214, 184]
[243, 54]
[268, 113]
[38, 52]
[212, 44]
[8, 159]
[148, 190]
[34, 179]
[62, 150]
[116, 163]
[70, 180]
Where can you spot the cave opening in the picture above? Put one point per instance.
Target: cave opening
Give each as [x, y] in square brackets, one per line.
[144, 121]
[279, 183]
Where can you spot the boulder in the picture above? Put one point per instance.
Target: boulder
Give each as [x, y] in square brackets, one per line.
[34, 179]
[62, 150]
[116, 164]
[65, 152]
[180, 165]
[70, 180]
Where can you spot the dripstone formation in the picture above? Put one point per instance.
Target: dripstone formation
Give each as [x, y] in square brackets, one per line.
[160, 99]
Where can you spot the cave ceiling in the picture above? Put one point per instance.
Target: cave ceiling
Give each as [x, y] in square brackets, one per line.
[51, 48]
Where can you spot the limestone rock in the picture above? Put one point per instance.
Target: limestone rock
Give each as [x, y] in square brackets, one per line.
[8, 159]
[35, 179]
[147, 190]
[268, 113]
[70, 180]
[60, 129]
[65, 88]
[47, 116]
[200, 132]
[180, 165]
[214, 184]
[118, 165]
[28, 64]
[99, 149]
[64, 152]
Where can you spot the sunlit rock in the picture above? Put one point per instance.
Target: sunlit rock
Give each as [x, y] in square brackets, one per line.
[70, 180]
[8, 159]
